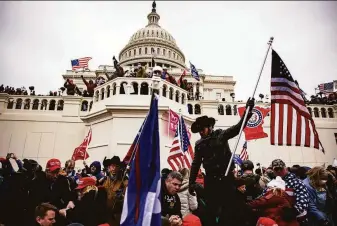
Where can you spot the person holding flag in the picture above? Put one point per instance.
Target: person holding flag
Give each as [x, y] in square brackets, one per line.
[213, 151]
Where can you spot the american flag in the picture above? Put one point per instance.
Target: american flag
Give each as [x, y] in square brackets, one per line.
[291, 123]
[244, 154]
[326, 87]
[80, 63]
[181, 153]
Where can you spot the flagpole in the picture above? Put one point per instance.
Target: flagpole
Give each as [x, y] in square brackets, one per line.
[155, 86]
[169, 124]
[247, 110]
[86, 149]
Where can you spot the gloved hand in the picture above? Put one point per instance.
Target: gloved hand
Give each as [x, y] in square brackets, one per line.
[250, 104]
[191, 189]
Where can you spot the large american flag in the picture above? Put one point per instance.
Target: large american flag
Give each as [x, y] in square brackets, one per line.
[326, 87]
[80, 63]
[181, 153]
[291, 123]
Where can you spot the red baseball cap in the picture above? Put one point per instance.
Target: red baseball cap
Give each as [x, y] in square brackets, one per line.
[265, 221]
[53, 164]
[85, 181]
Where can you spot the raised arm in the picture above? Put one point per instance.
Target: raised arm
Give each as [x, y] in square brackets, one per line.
[85, 81]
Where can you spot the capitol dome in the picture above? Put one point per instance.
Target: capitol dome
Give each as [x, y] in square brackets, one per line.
[152, 41]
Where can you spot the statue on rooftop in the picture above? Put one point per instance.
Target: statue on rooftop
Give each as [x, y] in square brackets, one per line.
[154, 6]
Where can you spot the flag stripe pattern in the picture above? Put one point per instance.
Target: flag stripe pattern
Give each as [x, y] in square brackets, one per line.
[244, 154]
[80, 63]
[181, 153]
[80, 153]
[291, 122]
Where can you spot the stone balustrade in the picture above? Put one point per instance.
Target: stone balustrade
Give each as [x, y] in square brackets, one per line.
[139, 86]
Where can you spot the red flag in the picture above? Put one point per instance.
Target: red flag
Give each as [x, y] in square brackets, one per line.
[181, 77]
[80, 153]
[173, 122]
[254, 128]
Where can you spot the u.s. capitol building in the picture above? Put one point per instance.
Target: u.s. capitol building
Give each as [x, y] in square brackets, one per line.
[43, 127]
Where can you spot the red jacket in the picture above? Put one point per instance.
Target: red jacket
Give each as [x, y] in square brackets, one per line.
[272, 207]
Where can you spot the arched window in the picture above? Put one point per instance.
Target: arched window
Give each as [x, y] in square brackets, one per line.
[323, 112]
[177, 96]
[145, 50]
[129, 53]
[174, 55]
[190, 109]
[107, 91]
[228, 110]
[310, 111]
[44, 104]
[164, 90]
[135, 88]
[27, 104]
[171, 93]
[96, 95]
[148, 33]
[84, 106]
[114, 89]
[164, 52]
[36, 104]
[152, 33]
[316, 114]
[157, 34]
[122, 89]
[140, 51]
[330, 113]
[183, 98]
[221, 109]
[18, 103]
[10, 103]
[169, 54]
[102, 93]
[197, 109]
[235, 110]
[90, 106]
[52, 104]
[60, 105]
[158, 51]
[144, 89]
[134, 52]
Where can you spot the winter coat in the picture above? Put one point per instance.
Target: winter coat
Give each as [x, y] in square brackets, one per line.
[274, 207]
[170, 204]
[317, 210]
[214, 152]
[188, 202]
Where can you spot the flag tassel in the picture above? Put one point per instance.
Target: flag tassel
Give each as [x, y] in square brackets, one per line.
[247, 111]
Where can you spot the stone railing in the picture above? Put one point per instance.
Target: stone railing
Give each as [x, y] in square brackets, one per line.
[231, 108]
[34, 103]
[139, 86]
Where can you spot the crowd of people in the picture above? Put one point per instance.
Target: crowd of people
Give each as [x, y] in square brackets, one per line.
[94, 194]
[328, 99]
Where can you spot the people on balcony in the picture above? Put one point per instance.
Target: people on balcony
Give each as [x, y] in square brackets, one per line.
[70, 86]
[90, 86]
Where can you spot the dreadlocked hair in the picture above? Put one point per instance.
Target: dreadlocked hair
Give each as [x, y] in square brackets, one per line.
[315, 175]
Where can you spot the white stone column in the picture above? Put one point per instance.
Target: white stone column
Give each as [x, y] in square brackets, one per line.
[194, 90]
[4, 97]
[201, 90]
[118, 87]
[111, 91]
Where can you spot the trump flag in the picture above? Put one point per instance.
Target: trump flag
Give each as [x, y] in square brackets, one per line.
[142, 205]
[254, 129]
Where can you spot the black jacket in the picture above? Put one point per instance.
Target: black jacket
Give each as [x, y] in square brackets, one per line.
[170, 204]
[214, 152]
[91, 210]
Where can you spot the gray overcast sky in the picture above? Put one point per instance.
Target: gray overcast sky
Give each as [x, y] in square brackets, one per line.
[38, 39]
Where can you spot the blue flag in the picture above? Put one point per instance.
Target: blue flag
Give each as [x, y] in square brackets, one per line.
[142, 205]
[194, 72]
[237, 160]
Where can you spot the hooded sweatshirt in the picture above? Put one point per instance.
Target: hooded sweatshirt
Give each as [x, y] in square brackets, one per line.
[98, 174]
[188, 202]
